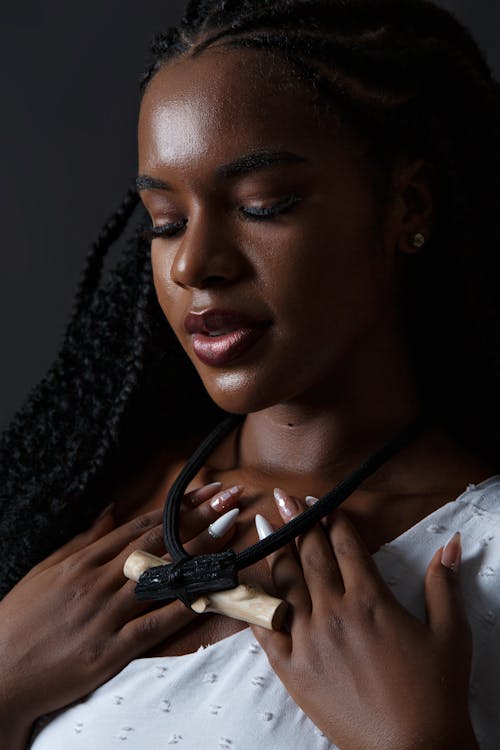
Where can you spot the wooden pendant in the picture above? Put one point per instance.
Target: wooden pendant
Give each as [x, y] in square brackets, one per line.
[246, 602]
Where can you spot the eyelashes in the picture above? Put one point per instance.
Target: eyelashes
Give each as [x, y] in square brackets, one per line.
[278, 208]
[165, 230]
[252, 214]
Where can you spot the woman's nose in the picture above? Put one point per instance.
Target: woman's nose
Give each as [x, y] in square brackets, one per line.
[206, 254]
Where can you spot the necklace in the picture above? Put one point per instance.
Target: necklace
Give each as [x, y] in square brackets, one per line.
[189, 577]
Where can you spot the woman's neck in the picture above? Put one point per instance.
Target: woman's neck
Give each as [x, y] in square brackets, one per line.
[328, 431]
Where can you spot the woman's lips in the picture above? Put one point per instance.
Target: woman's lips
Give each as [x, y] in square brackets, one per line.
[218, 350]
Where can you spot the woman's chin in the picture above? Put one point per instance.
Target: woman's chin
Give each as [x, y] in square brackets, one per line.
[236, 403]
[244, 399]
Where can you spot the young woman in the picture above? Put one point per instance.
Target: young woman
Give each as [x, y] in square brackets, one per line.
[320, 257]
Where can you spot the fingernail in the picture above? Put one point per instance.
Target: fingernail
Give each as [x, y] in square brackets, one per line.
[310, 499]
[219, 527]
[452, 552]
[225, 499]
[286, 504]
[204, 492]
[103, 513]
[263, 526]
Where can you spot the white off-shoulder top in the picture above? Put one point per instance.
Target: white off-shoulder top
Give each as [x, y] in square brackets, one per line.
[225, 696]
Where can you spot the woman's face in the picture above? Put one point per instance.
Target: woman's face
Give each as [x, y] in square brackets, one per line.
[320, 269]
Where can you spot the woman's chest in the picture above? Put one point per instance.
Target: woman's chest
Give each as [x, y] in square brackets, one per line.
[376, 527]
[141, 497]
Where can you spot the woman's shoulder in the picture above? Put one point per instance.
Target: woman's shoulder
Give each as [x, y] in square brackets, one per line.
[484, 497]
[476, 514]
[480, 578]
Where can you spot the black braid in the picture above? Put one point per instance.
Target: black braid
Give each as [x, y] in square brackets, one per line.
[110, 232]
[409, 79]
[99, 409]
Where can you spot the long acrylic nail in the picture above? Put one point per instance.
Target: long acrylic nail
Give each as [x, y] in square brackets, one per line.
[263, 526]
[310, 500]
[203, 493]
[452, 552]
[227, 498]
[218, 528]
[286, 504]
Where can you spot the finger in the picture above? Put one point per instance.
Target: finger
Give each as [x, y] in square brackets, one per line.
[108, 579]
[122, 604]
[194, 497]
[150, 541]
[216, 536]
[110, 545]
[206, 511]
[211, 539]
[287, 576]
[107, 547]
[444, 602]
[356, 565]
[276, 643]
[325, 521]
[320, 569]
[103, 524]
[142, 633]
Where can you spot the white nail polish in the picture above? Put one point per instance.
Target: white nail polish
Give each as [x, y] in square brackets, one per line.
[263, 526]
[310, 499]
[219, 527]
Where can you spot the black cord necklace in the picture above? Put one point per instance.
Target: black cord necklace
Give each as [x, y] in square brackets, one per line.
[189, 577]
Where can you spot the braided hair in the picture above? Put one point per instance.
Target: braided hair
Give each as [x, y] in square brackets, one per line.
[409, 80]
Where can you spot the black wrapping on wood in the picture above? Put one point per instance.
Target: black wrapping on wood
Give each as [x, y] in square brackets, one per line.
[189, 578]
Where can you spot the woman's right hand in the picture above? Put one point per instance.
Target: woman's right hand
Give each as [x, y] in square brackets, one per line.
[73, 621]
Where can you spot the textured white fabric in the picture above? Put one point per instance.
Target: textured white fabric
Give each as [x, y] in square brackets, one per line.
[226, 696]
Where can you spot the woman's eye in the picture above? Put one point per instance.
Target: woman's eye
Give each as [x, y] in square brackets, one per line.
[169, 229]
[277, 208]
[163, 230]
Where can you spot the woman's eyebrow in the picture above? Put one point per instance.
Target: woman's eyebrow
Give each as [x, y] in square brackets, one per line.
[257, 160]
[250, 162]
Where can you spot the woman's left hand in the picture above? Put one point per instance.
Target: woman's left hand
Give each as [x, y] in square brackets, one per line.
[369, 674]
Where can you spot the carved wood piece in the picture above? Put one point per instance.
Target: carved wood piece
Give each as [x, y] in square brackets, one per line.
[246, 602]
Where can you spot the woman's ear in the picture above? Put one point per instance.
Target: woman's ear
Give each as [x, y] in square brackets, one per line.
[414, 194]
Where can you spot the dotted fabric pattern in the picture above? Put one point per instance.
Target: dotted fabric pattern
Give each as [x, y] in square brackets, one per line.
[227, 697]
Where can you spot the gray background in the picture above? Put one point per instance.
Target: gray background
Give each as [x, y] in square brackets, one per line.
[69, 83]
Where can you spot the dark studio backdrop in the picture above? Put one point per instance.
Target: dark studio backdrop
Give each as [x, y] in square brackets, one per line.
[70, 74]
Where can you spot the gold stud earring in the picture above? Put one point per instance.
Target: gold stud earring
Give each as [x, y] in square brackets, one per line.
[418, 240]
